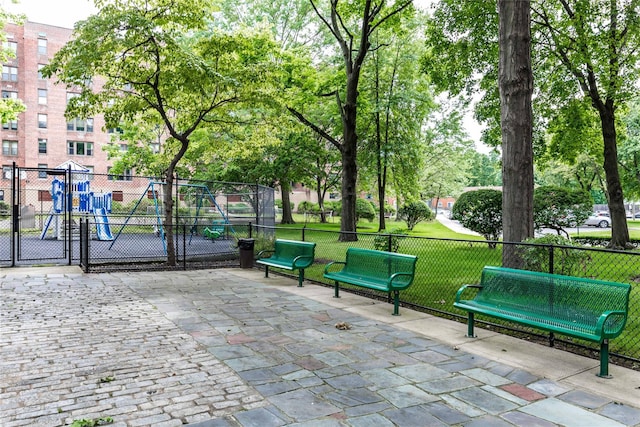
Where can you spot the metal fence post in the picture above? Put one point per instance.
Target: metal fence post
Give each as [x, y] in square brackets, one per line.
[184, 246]
[551, 253]
[303, 232]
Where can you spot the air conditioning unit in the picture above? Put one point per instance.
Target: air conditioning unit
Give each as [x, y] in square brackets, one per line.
[7, 174]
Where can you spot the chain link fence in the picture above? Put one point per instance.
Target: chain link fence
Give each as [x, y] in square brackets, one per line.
[125, 217]
[444, 265]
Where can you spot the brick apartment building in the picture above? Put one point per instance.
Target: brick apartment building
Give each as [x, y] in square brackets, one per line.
[42, 137]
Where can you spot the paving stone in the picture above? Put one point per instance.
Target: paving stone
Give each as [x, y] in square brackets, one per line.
[485, 376]
[584, 399]
[487, 421]
[486, 401]
[420, 372]
[414, 416]
[301, 405]
[370, 408]
[624, 414]
[260, 417]
[383, 378]
[548, 387]
[522, 377]
[522, 392]
[445, 413]
[407, 395]
[447, 385]
[373, 420]
[522, 419]
[562, 413]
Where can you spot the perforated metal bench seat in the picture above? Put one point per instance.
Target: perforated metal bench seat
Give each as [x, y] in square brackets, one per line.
[589, 309]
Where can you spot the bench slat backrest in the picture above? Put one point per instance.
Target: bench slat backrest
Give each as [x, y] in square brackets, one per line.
[290, 249]
[379, 264]
[565, 297]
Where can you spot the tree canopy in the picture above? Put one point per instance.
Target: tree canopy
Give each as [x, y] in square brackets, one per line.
[157, 62]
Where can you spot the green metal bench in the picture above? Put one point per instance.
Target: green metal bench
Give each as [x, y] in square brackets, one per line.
[592, 310]
[290, 255]
[378, 270]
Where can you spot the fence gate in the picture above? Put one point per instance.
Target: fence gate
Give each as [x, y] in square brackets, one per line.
[43, 227]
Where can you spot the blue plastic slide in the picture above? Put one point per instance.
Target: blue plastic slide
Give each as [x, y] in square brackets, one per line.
[103, 231]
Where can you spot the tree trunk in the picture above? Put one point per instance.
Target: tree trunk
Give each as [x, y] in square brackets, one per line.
[619, 229]
[348, 221]
[349, 177]
[287, 217]
[516, 116]
[168, 218]
[323, 214]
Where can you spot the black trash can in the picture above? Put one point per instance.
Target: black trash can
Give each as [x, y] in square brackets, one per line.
[246, 252]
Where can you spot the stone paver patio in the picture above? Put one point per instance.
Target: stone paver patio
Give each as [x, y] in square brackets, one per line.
[226, 348]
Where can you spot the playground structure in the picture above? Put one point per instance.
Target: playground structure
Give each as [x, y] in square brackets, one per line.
[215, 230]
[81, 200]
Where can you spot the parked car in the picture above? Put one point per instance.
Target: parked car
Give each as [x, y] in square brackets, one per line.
[599, 219]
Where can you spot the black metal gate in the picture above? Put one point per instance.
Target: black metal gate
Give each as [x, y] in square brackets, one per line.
[43, 227]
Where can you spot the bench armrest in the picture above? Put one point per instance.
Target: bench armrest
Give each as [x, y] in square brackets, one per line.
[302, 258]
[604, 317]
[266, 251]
[326, 268]
[395, 276]
[463, 288]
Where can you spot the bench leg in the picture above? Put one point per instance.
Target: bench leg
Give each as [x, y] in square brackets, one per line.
[604, 359]
[336, 290]
[300, 277]
[396, 303]
[470, 326]
[266, 271]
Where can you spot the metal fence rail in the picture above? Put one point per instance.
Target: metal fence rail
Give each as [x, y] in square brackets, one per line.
[444, 265]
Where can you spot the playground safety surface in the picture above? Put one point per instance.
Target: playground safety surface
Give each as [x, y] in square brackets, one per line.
[228, 347]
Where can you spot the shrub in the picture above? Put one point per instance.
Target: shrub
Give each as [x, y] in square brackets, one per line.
[5, 210]
[558, 208]
[414, 212]
[336, 207]
[364, 209]
[388, 242]
[480, 211]
[566, 260]
[308, 207]
[388, 209]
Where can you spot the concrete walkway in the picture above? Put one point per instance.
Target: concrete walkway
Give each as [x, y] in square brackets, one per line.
[231, 348]
[454, 225]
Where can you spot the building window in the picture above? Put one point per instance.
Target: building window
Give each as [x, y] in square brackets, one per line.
[9, 148]
[124, 148]
[42, 121]
[9, 73]
[42, 170]
[127, 175]
[10, 125]
[42, 146]
[40, 67]
[7, 171]
[79, 148]
[11, 46]
[9, 94]
[80, 125]
[42, 96]
[42, 46]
